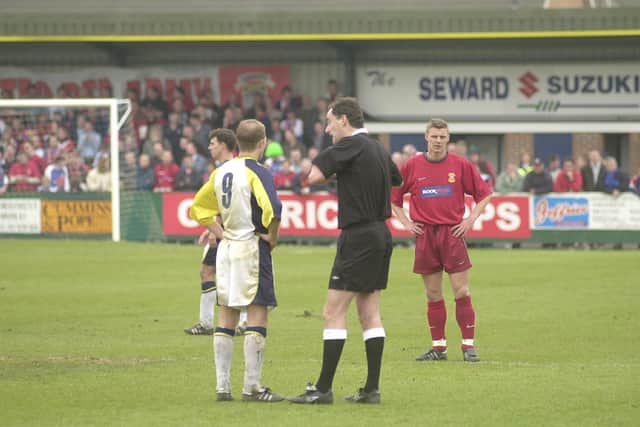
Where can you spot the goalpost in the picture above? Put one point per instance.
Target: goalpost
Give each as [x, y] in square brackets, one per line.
[115, 123]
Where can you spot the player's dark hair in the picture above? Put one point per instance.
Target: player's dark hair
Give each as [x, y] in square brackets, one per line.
[226, 136]
[437, 123]
[249, 133]
[350, 108]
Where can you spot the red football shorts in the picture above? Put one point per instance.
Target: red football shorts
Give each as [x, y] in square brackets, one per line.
[437, 249]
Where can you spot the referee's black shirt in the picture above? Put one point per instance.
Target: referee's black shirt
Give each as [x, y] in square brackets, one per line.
[365, 174]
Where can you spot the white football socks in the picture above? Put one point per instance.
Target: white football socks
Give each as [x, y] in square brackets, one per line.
[254, 344]
[223, 351]
[207, 307]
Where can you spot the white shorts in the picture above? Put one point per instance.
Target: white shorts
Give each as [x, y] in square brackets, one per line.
[238, 272]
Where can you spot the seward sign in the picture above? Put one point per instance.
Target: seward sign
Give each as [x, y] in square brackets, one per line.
[523, 92]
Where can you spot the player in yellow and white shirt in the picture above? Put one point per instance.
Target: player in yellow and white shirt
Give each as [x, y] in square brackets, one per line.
[242, 193]
[222, 144]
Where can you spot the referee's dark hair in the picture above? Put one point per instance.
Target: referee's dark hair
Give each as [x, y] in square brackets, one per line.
[350, 108]
[226, 136]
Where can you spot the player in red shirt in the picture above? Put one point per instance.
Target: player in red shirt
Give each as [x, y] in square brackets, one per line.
[437, 182]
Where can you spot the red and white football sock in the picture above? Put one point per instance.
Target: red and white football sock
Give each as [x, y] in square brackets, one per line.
[466, 318]
[437, 315]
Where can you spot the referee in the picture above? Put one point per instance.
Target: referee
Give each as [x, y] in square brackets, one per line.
[365, 174]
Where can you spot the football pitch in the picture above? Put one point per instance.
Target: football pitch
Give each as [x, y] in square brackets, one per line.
[91, 335]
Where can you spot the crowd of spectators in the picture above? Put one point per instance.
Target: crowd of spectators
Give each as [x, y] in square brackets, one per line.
[589, 172]
[164, 147]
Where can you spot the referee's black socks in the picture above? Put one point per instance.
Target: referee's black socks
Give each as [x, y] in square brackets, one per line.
[333, 344]
[374, 346]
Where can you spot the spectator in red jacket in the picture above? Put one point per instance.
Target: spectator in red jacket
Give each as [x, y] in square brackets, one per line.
[569, 179]
[33, 158]
[23, 174]
[283, 179]
[165, 173]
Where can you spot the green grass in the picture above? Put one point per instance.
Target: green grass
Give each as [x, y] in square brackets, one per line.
[91, 334]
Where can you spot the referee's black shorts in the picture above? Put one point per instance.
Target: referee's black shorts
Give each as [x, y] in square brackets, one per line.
[362, 258]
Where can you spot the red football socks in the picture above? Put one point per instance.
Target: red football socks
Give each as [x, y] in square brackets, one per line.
[466, 318]
[437, 315]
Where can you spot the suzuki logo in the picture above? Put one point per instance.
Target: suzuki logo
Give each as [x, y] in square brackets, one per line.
[528, 81]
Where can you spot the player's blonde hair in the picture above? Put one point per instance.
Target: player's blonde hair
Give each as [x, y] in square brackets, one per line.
[249, 133]
[437, 123]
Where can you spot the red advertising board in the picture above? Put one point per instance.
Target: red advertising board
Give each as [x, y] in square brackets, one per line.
[246, 80]
[316, 215]
[312, 215]
[175, 215]
[505, 217]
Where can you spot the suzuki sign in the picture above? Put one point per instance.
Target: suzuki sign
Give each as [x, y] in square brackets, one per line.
[517, 91]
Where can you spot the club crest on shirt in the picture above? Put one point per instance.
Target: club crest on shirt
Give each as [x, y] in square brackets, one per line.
[452, 177]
